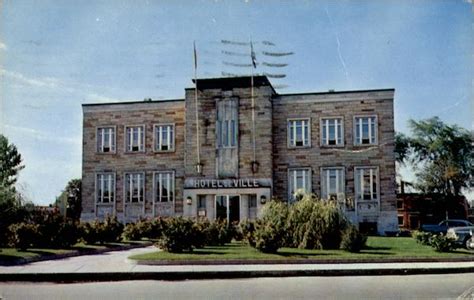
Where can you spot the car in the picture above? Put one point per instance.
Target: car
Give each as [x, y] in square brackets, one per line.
[462, 236]
[443, 226]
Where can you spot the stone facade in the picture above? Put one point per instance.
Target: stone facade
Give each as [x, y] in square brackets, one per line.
[263, 167]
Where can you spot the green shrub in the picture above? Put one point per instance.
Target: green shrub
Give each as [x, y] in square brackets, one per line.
[132, 232]
[179, 235]
[247, 230]
[422, 237]
[54, 230]
[270, 232]
[442, 243]
[23, 235]
[352, 239]
[315, 224]
[155, 228]
[109, 231]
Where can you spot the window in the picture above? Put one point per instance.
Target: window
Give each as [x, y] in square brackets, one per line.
[134, 187]
[106, 139]
[164, 137]
[332, 132]
[365, 130]
[252, 201]
[164, 186]
[226, 133]
[401, 221]
[105, 187]
[298, 133]
[366, 183]
[332, 183]
[135, 138]
[299, 181]
[201, 199]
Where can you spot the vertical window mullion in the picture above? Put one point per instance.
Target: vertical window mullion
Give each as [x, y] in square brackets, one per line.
[328, 183]
[168, 186]
[369, 120]
[168, 137]
[371, 172]
[360, 132]
[361, 176]
[160, 189]
[337, 181]
[294, 135]
[327, 132]
[303, 132]
[336, 135]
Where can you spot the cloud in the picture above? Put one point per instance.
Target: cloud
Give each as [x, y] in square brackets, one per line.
[49, 82]
[96, 98]
[43, 136]
[3, 46]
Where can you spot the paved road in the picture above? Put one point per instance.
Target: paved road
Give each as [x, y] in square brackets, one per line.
[363, 287]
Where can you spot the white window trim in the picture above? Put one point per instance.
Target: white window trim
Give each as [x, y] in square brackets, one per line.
[376, 127]
[113, 203]
[128, 200]
[288, 136]
[310, 188]
[377, 172]
[173, 183]
[97, 139]
[337, 181]
[321, 123]
[144, 138]
[155, 128]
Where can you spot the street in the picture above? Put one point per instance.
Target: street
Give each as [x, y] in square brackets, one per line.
[449, 286]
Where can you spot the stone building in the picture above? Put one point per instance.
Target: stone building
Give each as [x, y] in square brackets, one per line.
[250, 144]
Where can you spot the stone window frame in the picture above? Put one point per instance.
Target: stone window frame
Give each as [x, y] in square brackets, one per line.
[129, 200]
[289, 177]
[114, 183]
[288, 136]
[172, 141]
[357, 188]
[321, 129]
[100, 148]
[143, 126]
[342, 179]
[376, 129]
[173, 183]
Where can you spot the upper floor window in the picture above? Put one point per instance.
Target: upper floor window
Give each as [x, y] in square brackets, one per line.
[164, 137]
[298, 133]
[366, 183]
[164, 186]
[134, 187]
[365, 130]
[226, 133]
[135, 138]
[332, 183]
[105, 187]
[299, 182]
[106, 139]
[332, 131]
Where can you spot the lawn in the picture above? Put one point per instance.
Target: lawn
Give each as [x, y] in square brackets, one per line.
[10, 255]
[389, 248]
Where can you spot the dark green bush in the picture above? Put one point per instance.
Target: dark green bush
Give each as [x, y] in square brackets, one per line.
[179, 235]
[132, 232]
[352, 239]
[54, 230]
[422, 237]
[109, 231]
[442, 243]
[247, 230]
[23, 235]
[315, 224]
[270, 232]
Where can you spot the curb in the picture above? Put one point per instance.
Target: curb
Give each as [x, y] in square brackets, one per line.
[23, 261]
[196, 275]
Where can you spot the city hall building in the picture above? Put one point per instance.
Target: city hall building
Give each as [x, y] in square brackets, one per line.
[233, 144]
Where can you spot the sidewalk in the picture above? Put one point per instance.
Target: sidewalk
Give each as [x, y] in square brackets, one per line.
[114, 265]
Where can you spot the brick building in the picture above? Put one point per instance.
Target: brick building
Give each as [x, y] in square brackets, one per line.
[151, 158]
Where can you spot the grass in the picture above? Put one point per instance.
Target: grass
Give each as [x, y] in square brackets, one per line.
[12, 255]
[377, 248]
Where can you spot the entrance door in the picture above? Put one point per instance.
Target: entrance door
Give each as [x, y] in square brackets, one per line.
[228, 208]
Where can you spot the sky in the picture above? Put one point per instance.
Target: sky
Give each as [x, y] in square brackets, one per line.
[57, 55]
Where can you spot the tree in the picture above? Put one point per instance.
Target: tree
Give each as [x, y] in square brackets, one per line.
[10, 162]
[71, 196]
[443, 154]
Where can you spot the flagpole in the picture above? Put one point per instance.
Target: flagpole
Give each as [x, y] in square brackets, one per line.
[198, 165]
[252, 54]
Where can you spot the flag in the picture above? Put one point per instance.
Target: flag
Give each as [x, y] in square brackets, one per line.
[252, 54]
[195, 55]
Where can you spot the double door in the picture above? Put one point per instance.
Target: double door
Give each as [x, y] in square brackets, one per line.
[228, 208]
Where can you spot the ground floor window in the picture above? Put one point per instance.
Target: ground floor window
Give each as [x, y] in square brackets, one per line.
[164, 186]
[134, 187]
[105, 187]
[366, 183]
[299, 181]
[332, 183]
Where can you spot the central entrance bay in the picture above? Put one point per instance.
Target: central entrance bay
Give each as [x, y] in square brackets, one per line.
[228, 208]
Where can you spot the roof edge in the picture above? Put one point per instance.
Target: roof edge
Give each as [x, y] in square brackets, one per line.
[131, 102]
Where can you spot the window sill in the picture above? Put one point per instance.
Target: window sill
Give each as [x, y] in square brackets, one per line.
[332, 146]
[134, 152]
[299, 147]
[164, 151]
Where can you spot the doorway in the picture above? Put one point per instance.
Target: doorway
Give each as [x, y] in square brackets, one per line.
[228, 208]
